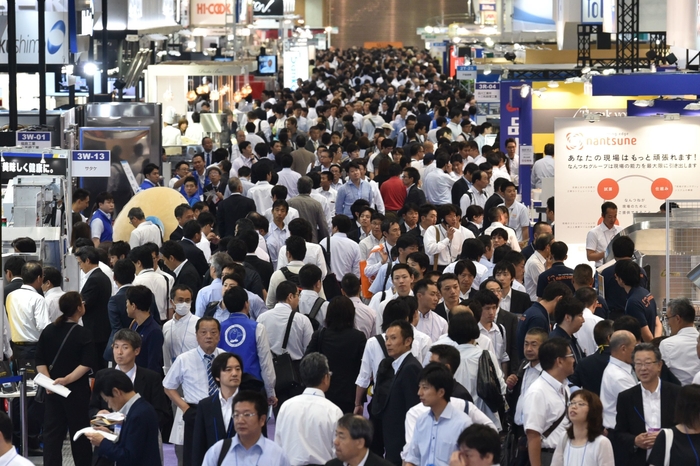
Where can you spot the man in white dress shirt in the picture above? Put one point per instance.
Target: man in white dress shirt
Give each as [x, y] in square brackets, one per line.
[543, 168]
[52, 291]
[287, 176]
[295, 252]
[261, 193]
[275, 322]
[179, 334]
[428, 296]
[306, 423]
[144, 230]
[365, 316]
[438, 183]
[545, 403]
[191, 371]
[680, 350]
[142, 258]
[618, 375]
[599, 238]
[530, 372]
[537, 263]
[344, 252]
[27, 312]
[511, 147]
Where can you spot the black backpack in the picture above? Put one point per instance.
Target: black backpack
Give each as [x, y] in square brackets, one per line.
[314, 312]
[291, 276]
[487, 386]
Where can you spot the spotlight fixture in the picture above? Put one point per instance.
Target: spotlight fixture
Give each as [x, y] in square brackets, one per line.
[456, 39]
[489, 42]
[671, 59]
[585, 70]
[608, 72]
[90, 68]
[487, 70]
[552, 84]
[643, 103]
[510, 56]
[428, 29]
[692, 106]
[652, 55]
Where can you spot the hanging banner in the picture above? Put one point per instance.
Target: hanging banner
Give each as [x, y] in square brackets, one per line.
[33, 163]
[296, 65]
[27, 40]
[622, 160]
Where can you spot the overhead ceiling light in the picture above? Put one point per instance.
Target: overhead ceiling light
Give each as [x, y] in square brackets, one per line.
[543, 89]
[428, 29]
[191, 44]
[487, 70]
[489, 42]
[524, 90]
[586, 70]
[456, 39]
[644, 103]
[692, 106]
[608, 72]
[552, 84]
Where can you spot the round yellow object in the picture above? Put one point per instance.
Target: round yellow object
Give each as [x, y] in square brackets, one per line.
[156, 202]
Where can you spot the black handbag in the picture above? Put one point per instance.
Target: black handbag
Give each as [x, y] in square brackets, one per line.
[331, 288]
[286, 370]
[41, 391]
[487, 386]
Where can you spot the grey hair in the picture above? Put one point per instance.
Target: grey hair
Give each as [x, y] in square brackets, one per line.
[647, 347]
[220, 261]
[313, 369]
[137, 213]
[358, 427]
[129, 336]
[234, 184]
[304, 185]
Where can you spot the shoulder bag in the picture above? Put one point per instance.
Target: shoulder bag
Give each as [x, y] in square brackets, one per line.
[487, 385]
[41, 391]
[330, 284]
[437, 240]
[287, 375]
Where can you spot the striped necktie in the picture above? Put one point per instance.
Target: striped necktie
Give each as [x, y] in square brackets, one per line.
[208, 358]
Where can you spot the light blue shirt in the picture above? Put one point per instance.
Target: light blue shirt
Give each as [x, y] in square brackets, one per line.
[275, 239]
[349, 193]
[206, 295]
[434, 441]
[264, 452]
[437, 187]
[543, 168]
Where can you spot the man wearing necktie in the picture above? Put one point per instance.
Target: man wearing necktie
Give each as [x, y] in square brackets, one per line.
[208, 148]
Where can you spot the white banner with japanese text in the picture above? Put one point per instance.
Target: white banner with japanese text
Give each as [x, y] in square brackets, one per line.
[635, 162]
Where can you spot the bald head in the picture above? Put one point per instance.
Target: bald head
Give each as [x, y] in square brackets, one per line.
[622, 343]
[458, 309]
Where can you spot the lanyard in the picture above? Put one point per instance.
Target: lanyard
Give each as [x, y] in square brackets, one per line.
[568, 454]
[690, 441]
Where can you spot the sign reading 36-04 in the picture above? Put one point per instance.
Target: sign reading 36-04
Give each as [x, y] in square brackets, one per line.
[90, 163]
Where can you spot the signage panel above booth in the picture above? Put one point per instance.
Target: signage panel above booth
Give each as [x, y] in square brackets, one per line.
[27, 40]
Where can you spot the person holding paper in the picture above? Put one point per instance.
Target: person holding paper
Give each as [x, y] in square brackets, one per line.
[137, 444]
[65, 353]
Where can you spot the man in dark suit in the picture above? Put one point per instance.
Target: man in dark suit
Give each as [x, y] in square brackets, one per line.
[183, 214]
[396, 388]
[124, 272]
[13, 274]
[264, 268]
[191, 235]
[96, 293]
[510, 323]
[138, 443]
[210, 426]
[185, 273]
[147, 383]
[353, 435]
[632, 439]
[496, 199]
[459, 189]
[217, 186]
[520, 302]
[415, 195]
[539, 229]
[235, 207]
[588, 373]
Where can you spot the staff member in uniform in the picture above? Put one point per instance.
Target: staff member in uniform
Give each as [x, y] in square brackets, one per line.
[65, 353]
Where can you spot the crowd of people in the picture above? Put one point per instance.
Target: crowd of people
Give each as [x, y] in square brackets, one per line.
[356, 265]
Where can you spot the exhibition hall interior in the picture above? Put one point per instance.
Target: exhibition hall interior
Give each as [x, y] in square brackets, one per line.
[343, 232]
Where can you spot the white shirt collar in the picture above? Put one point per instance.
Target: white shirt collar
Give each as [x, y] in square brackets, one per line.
[396, 364]
[90, 272]
[655, 394]
[131, 373]
[179, 268]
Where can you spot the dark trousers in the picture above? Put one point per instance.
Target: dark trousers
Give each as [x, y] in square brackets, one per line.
[189, 417]
[35, 411]
[377, 446]
[101, 363]
[70, 414]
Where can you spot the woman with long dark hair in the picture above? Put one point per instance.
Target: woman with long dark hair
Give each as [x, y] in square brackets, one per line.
[343, 345]
[685, 443]
[65, 353]
[584, 443]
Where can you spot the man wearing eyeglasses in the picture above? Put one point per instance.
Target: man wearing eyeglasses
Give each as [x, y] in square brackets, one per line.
[643, 409]
[248, 446]
[545, 403]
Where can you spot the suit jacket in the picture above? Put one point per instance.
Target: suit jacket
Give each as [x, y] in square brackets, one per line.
[137, 444]
[148, 384]
[12, 286]
[96, 293]
[415, 196]
[630, 422]
[190, 277]
[372, 460]
[176, 235]
[494, 201]
[416, 232]
[116, 310]
[221, 188]
[471, 227]
[519, 302]
[264, 269]
[195, 256]
[311, 210]
[402, 396]
[230, 210]
[459, 189]
[302, 159]
[588, 373]
[209, 427]
[253, 282]
[510, 323]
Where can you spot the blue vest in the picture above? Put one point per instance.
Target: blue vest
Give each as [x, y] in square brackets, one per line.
[147, 184]
[106, 222]
[238, 337]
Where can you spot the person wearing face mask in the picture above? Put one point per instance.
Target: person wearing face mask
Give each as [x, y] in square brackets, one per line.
[179, 334]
